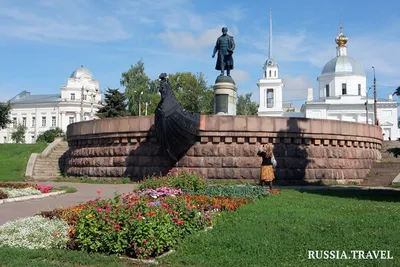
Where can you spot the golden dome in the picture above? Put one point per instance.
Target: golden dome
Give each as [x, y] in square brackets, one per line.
[341, 39]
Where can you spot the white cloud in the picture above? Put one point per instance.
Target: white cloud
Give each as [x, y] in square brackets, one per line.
[59, 20]
[296, 88]
[185, 40]
[239, 75]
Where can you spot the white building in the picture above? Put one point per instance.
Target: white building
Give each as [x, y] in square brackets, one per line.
[270, 86]
[343, 94]
[78, 100]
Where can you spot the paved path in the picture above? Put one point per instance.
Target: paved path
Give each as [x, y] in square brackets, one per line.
[86, 192]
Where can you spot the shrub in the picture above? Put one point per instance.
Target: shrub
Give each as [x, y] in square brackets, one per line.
[34, 232]
[181, 179]
[246, 191]
[137, 226]
[49, 135]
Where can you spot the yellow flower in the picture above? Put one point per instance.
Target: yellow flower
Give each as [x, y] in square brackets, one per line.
[89, 216]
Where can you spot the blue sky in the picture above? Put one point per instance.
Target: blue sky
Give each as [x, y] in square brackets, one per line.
[43, 41]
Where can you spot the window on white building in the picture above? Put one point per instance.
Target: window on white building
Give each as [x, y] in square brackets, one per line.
[24, 121]
[72, 96]
[344, 89]
[327, 90]
[270, 73]
[5, 140]
[71, 120]
[85, 97]
[33, 138]
[275, 74]
[53, 121]
[359, 89]
[270, 98]
[43, 121]
[14, 122]
[33, 121]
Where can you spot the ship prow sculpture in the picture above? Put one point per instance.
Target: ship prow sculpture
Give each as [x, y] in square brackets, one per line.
[176, 129]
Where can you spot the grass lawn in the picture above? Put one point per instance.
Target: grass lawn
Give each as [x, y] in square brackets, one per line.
[276, 231]
[12, 257]
[14, 158]
[279, 231]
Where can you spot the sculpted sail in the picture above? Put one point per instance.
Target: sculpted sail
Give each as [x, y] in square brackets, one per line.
[176, 129]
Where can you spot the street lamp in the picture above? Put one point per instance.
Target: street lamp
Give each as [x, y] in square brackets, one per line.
[140, 105]
[147, 104]
[366, 105]
[82, 90]
[93, 97]
[375, 106]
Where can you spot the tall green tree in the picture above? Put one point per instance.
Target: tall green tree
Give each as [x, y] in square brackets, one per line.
[115, 104]
[19, 134]
[245, 106]
[5, 110]
[138, 88]
[192, 92]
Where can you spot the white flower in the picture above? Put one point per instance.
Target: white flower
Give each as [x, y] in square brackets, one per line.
[34, 232]
[12, 192]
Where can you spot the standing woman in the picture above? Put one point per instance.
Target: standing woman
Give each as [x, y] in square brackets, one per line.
[268, 164]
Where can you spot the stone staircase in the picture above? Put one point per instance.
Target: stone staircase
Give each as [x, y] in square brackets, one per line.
[48, 167]
[385, 170]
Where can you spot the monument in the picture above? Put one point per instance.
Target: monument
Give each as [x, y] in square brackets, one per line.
[225, 91]
[176, 129]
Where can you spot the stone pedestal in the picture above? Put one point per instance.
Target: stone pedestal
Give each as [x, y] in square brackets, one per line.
[225, 96]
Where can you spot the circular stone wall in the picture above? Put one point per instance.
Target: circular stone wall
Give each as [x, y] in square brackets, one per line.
[306, 149]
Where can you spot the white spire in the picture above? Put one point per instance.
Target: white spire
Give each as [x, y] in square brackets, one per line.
[270, 34]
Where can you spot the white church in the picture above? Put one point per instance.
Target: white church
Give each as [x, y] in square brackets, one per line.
[78, 100]
[342, 93]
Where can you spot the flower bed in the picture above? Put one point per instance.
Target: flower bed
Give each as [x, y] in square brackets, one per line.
[10, 190]
[149, 221]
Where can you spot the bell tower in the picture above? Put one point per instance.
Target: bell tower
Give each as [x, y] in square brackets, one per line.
[270, 86]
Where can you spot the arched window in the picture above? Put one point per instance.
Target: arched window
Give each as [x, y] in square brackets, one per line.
[275, 74]
[270, 73]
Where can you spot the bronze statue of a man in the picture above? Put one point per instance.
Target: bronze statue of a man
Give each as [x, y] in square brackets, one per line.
[225, 46]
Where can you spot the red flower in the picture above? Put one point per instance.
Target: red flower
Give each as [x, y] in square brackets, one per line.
[164, 205]
[144, 241]
[55, 234]
[98, 192]
[175, 219]
[117, 227]
[140, 217]
[180, 222]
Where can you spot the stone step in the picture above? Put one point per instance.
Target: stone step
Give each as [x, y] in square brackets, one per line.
[380, 173]
[55, 164]
[47, 173]
[46, 170]
[387, 164]
[44, 178]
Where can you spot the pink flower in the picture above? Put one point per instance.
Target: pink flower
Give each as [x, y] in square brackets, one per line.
[98, 192]
[99, 209]
[175, 219]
